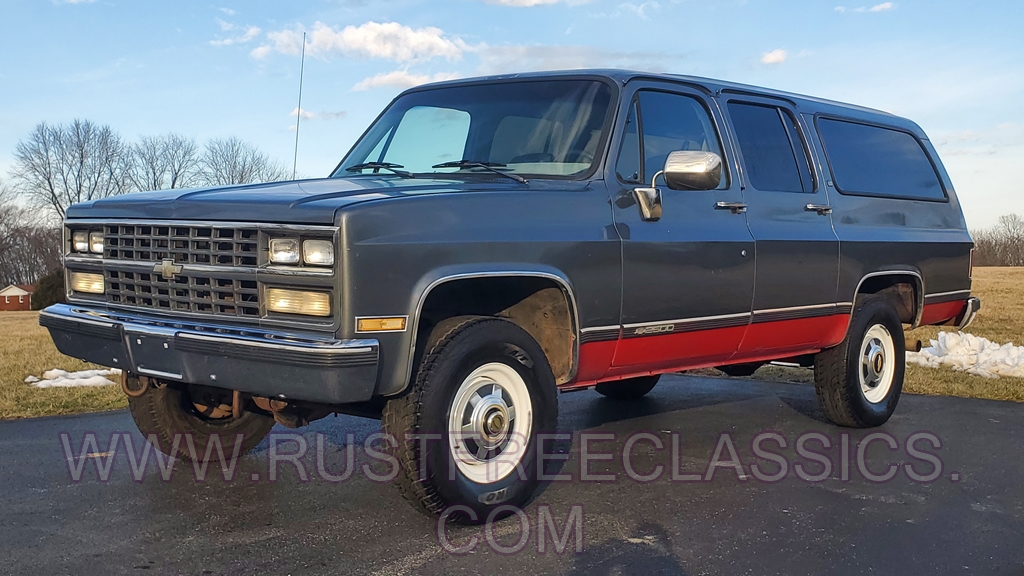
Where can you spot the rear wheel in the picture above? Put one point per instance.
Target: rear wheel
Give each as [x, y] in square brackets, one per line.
[859, 382]
[466, 431]
[169, 415]
[629, 389]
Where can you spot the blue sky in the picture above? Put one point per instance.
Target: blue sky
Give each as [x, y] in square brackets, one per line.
[231, 68]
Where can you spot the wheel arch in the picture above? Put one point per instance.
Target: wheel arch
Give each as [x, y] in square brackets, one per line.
[439, 280]
[889, 282]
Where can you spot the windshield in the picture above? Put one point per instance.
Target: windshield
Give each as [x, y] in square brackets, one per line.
[539, 128]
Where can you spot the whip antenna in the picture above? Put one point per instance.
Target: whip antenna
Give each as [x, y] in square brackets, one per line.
[298, 111]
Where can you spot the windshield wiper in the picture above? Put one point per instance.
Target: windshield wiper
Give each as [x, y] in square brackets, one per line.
[380, 166]
[492, 166]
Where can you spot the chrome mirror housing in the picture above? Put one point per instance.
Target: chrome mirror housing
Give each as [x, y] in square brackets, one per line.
[692, 170]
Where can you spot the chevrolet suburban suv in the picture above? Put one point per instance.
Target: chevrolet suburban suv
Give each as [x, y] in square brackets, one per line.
[489, 243]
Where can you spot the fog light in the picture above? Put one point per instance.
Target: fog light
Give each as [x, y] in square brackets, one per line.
[284, 251]
[87, 283]
[318, 252]
[296, 302]
[96, 242]
[80, 241]
[380, 324]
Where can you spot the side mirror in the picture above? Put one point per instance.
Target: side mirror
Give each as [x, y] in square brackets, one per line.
[692, 170]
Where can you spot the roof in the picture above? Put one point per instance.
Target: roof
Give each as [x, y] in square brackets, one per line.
[17, 290]
[621, 77]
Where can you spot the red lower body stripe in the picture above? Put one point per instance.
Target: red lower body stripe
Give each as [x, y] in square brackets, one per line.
[673, 352]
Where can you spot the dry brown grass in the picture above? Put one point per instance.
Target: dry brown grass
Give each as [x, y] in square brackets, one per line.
[1001, 320]
[26, 349]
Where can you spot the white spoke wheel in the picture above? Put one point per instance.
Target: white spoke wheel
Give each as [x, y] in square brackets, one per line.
[877, 363]
[859, 382]
[489, 422]
[466, 431]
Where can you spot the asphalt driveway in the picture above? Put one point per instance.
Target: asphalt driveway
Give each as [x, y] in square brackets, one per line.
[955, 504]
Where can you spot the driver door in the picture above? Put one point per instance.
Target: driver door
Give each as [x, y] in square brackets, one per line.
[687, 278]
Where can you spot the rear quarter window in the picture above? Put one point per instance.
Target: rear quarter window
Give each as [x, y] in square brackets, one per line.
[877, 161]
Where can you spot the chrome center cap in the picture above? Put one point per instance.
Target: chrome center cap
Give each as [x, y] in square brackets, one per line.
[874, 361]
[490, 420]
[495, 423]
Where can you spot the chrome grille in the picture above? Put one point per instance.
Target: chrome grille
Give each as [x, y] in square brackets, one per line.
[208, 245]
[203, 294]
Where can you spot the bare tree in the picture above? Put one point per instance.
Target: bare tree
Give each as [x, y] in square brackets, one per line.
[1001, 245]
[162, 162]
[28, 248]
[60, 165]
[231, 161]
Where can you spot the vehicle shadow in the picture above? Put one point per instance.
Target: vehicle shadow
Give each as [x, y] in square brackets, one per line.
[648, 550]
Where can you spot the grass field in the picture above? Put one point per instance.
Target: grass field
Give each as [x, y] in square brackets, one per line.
[26, 349]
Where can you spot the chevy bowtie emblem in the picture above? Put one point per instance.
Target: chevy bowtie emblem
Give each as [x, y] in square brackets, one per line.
[167, 269]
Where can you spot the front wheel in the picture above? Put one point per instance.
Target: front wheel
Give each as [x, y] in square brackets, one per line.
[465, 434]
[859, 382]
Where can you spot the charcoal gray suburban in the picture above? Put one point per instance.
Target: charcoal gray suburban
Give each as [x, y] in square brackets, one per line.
[489, 243]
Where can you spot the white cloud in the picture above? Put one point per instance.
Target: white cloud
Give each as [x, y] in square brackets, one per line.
[250, 33]
[883, 7]
[225, 26]
[260, 52]
[505, 59]
[639, 9]
[777, 56]
[529, 3]
[79, 1]
[401, 79]
[388, 40]
[227, 11]
[307, 115]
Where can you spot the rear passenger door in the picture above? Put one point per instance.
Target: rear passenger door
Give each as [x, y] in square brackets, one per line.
[796, 249]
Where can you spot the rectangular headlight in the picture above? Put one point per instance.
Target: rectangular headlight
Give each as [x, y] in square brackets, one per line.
[87, 283]
[284, 251]
[318, 252]
[96, 242]
[298, 302]
[80, 241]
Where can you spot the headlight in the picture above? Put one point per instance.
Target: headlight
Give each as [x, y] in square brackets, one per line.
[87, 283]
[80, 241]
[96, 242]
[284, 251]
[296, 302]
[318, 252]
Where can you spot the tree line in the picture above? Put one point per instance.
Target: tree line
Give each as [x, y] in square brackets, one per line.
[58, 165]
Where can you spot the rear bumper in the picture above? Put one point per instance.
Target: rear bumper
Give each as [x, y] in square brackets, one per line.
[970, 311]
[260, 362]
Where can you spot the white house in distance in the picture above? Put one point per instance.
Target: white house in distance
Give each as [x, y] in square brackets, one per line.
[16, 297]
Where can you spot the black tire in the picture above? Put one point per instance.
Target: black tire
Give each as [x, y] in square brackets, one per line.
[629, 389]
[429, 476]
[740, 370]
[838, 371]
[167, 412]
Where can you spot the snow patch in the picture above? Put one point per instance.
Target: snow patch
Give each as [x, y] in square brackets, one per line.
[62, 379]
[971, 354]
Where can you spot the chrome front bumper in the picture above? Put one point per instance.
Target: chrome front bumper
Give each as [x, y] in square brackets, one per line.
[260, 362]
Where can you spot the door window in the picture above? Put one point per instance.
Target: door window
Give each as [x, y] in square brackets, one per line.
[666, 123]
[774, 154]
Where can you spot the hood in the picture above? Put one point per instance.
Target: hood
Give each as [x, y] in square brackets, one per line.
[298, 202]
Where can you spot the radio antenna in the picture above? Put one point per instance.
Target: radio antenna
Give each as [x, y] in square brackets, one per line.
[298, 111]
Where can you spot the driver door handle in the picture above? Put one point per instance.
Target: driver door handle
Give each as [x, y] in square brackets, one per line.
[734, 207]
[821, 209]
